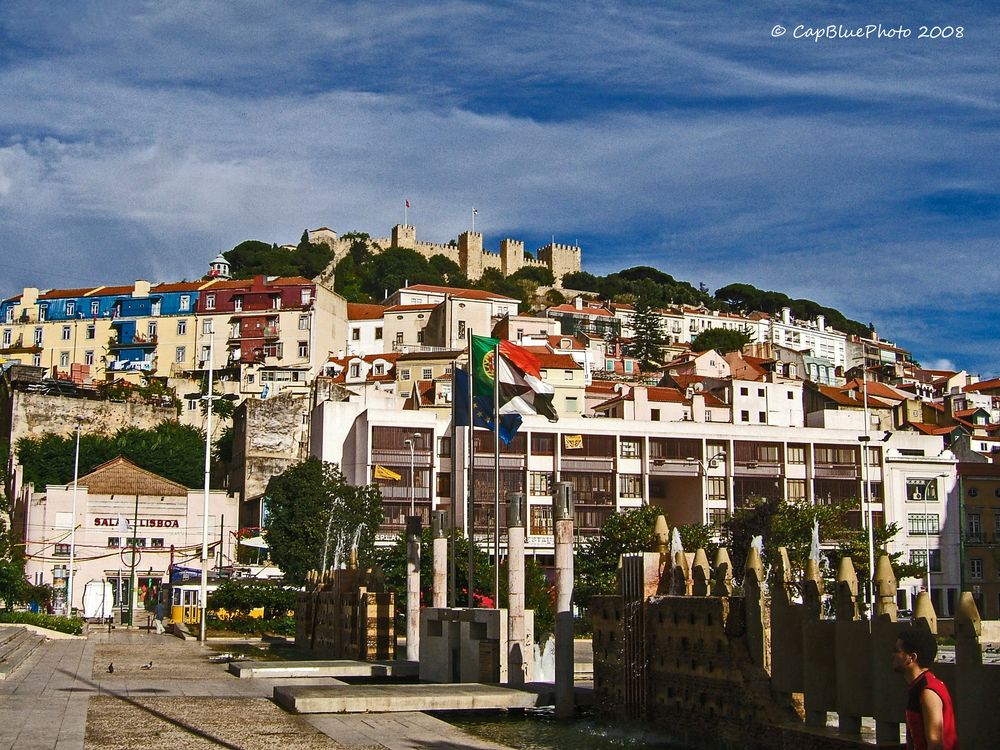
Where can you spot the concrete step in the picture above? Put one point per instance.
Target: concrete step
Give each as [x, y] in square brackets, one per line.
[339, 699]
[16, 648]
[325, 668]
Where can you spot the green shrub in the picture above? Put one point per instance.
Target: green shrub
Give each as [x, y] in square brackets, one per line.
[254, 625]
[71, 625]
[241, 596]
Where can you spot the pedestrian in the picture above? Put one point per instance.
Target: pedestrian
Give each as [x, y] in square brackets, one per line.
[930, 718]
[158, 614]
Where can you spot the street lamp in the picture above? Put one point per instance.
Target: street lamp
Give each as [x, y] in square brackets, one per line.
[927, 534]
[411, 444]
[711, 463]
[208, 396]
[72, 526]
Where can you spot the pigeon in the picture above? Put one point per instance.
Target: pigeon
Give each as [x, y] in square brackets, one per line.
[147, 666]
[111, 668]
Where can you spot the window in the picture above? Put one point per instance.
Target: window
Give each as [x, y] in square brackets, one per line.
[399, 337]
[156, 542]
[355, 334]
[791, 395]
[919, 490]
[919, 557]
[420, 336]
[88, 357]
[36, 360]
[305, 296]
[461, 329]
[379, 369]
[715, 517]
[95, 308]
[630, 485]
[543, 443]
[238, 302]
[64, 359]
[609, 365]
[209, 304]
[973, 491]
[378, 333]
[66, 333]
[303, 350]
[7, 337]
[975, 526]
[426, 373]
[539, 482]
[717, 489]
[207, 327]
[61, 550]
[572, 404]
[192, 404]
[444, 447]
[155, 308]
[744, 416]
[654, 415]
[182, 327]
[797, 489]
[185, 303]
[275, 301]
[744, 391]
[43, 313]
[629, 365]
[71, 308]
[762, 417]
[975, 566]
[404, 374]
[355, 369]
[151, 329]
[541, 520]
[114, 542]
[38, 337]
[996, 521]
[796, 454]
[567, 374]
[922, 524]
[630, 447]
[303, 322]
[180, 354]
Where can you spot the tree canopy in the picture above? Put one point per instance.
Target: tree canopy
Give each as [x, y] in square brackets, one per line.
[722, 340]
[252, 258]
[306, 499]
[654, 287]
[745, 298]
[172, 450]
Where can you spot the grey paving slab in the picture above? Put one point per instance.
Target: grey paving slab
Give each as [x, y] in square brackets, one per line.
[320, 668]
[395, 698]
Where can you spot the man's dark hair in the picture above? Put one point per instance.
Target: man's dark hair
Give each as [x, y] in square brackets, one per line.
[920, 642]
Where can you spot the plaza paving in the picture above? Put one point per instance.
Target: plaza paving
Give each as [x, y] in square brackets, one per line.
[64, 697]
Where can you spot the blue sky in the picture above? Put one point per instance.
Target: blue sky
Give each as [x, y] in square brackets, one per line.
[139, 139]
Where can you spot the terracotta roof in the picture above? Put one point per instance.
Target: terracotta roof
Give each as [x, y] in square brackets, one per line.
[984, 385]
[119, 476]
[425, 392]
[179, 286]
[556, 342]
[970, 412]
[62, 293]
[360, 311]
[458, 292]
[549, 360]
[845, 399]
[598, 311]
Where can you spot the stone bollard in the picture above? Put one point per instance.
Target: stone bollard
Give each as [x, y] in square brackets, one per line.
[701, 576]
[516, 631]
[413, 529]
[722, 581]
[848, 716]
[753, 592]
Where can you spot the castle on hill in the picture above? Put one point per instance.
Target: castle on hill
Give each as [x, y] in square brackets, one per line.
[467, 252]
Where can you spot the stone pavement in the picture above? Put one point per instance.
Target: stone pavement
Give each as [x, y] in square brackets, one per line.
[44, 703]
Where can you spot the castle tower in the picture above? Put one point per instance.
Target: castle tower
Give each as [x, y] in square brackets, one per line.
[404, 235]
[470, 254]
[511, 256]
[561, 259]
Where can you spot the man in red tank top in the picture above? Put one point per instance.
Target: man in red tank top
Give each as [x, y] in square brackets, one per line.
[930, 720]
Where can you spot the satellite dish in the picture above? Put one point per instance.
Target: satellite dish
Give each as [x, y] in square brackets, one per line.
[698, 387]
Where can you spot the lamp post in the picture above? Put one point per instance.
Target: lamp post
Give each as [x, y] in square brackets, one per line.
[72, 527]
[411, 444]
[711, 463]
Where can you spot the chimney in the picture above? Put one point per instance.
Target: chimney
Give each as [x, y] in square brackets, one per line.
[141, 288]
[821, 322]
[786, 315]
[578, 303]
[698, 407]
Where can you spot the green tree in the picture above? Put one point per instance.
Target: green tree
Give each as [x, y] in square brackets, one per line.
[238, 596]
[253, 258]
[306, 499]
[596, 563]
[648, 341]
[722, 340]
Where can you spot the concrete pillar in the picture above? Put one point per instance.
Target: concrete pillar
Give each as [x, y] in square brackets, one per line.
[413, 588]
[562, 521]
[516, 631]
[439, 580]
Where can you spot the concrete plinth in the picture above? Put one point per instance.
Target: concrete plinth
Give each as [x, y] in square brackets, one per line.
[333, 699]
[335, 668]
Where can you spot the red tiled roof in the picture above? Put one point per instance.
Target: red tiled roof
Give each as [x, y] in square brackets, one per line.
[551, 361]
[61, 293]
[413, 308]
[458, 292]
[360, 311]
[984, 385]
[598, 311]
[556, 342]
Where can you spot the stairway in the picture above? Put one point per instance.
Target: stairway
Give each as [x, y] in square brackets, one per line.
[16, 645]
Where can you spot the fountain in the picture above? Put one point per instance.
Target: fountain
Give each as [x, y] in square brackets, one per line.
[545, 661]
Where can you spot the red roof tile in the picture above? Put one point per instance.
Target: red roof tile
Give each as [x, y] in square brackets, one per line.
[360, 311]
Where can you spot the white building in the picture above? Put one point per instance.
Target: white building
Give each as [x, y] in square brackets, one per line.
[109, 500]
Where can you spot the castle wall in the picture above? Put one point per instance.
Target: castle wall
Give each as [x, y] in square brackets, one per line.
[467, 251]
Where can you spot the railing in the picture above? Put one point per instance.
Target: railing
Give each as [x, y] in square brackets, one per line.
[830, 471]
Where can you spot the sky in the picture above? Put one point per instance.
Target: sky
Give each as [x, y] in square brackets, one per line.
[719, 142]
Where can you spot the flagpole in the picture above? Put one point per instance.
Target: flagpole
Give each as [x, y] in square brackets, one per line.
[473, 219]
[496, 476]
[406, 205]
[470, 517]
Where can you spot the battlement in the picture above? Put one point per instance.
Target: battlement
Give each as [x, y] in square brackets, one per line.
[467, 251]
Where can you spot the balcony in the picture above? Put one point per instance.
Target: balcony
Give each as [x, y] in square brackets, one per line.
[137, 340]
[271, 331]
[836, 471]
[677, 467]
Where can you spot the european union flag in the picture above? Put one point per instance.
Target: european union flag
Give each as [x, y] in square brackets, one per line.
[482, 410]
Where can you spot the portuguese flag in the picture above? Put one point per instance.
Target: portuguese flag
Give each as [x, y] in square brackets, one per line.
[522, 390]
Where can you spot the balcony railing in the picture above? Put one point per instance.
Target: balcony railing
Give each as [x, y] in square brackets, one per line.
[136, 340]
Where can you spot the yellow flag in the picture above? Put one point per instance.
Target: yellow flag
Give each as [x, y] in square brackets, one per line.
[572, 442]
[383, 473]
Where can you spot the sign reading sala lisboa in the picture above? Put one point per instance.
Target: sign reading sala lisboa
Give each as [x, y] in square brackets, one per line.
[159, 523]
